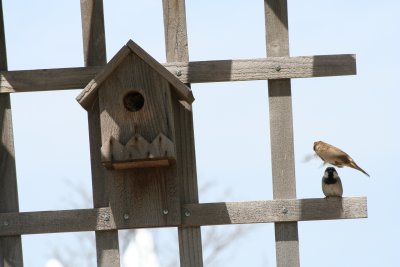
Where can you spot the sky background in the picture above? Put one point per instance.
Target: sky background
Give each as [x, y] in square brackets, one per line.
[359, 114]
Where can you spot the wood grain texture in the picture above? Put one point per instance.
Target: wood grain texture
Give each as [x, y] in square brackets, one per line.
[138, 153]
[263, 68]
[176, 43]
[94, 46]
[287, 210]
[89, 93]
[154, 118]
[189, 72]
[94, 39]
[46, 79]
[281, 132]
[224, 213]
[142, 194]
[10, 247]
[177, 86]
[41, 222]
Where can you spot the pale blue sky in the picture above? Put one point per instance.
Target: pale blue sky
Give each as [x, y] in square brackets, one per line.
[359, 114]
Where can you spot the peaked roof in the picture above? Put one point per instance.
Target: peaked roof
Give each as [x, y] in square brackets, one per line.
[89, 93]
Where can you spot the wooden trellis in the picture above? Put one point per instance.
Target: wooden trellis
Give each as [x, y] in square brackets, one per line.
[285, 210]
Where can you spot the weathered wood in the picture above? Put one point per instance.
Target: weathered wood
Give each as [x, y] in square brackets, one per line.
[189, 72]
[46, 79]
[281, 127]
[286, 210]
[138, 153]
[87, 96]
[10, 247]
[180, 89]
[132, 50]
[42, 222]
[224, 213]
[143, 194]
[176, 43]
[94, 39]
[94, 46]
[155, 115]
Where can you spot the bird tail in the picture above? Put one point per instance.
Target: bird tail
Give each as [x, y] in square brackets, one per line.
[355, 166]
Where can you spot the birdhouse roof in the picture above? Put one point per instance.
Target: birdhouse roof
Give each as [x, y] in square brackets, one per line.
[89, 93]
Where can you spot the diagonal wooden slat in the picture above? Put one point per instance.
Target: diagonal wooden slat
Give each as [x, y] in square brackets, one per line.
[189, 72]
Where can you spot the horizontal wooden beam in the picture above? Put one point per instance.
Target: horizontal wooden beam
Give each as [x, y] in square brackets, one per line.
[189, 72]
[281, 210]
[46, 79]
[102, 219]
[38, 222]
[264, 69]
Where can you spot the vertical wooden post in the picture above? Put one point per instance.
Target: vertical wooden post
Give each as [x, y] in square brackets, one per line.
[10, 246]
[107, 247]
[177, 50]
[281, 127]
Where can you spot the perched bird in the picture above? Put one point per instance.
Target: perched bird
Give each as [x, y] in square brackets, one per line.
[331, 184]
[335, 156]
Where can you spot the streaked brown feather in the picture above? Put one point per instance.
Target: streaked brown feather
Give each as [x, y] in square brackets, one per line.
[335, 156]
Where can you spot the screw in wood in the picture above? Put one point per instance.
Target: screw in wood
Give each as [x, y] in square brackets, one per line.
[106, 217]
[284, 210]
[278, 68]
[5, 223]
[165, 211]
[178, 73]
[187, 213]
[126, 216]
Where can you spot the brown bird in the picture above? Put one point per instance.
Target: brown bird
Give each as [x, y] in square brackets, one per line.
[335, 156]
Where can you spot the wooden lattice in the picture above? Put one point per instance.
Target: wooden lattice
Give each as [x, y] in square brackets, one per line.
[285, 210]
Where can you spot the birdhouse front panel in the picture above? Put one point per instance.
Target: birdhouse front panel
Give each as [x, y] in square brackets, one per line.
[136, 117]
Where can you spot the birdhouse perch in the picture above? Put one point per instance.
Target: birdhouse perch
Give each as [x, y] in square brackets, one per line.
[135, 95]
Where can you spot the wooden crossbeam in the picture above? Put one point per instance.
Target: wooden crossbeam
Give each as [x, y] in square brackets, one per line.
[103, 219]
[46, 79]
[189, 72]
[282, 210]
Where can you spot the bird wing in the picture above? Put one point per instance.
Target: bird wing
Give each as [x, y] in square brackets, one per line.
[334, 155]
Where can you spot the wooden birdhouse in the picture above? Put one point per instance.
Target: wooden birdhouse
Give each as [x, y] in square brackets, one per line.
[135, 95]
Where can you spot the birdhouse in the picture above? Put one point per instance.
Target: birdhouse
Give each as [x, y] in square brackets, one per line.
[135, 95]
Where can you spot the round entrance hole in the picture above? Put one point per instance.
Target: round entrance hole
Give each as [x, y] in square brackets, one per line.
[133, 101]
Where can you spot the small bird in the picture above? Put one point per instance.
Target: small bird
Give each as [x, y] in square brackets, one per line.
[331, 183]
[335, 156]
